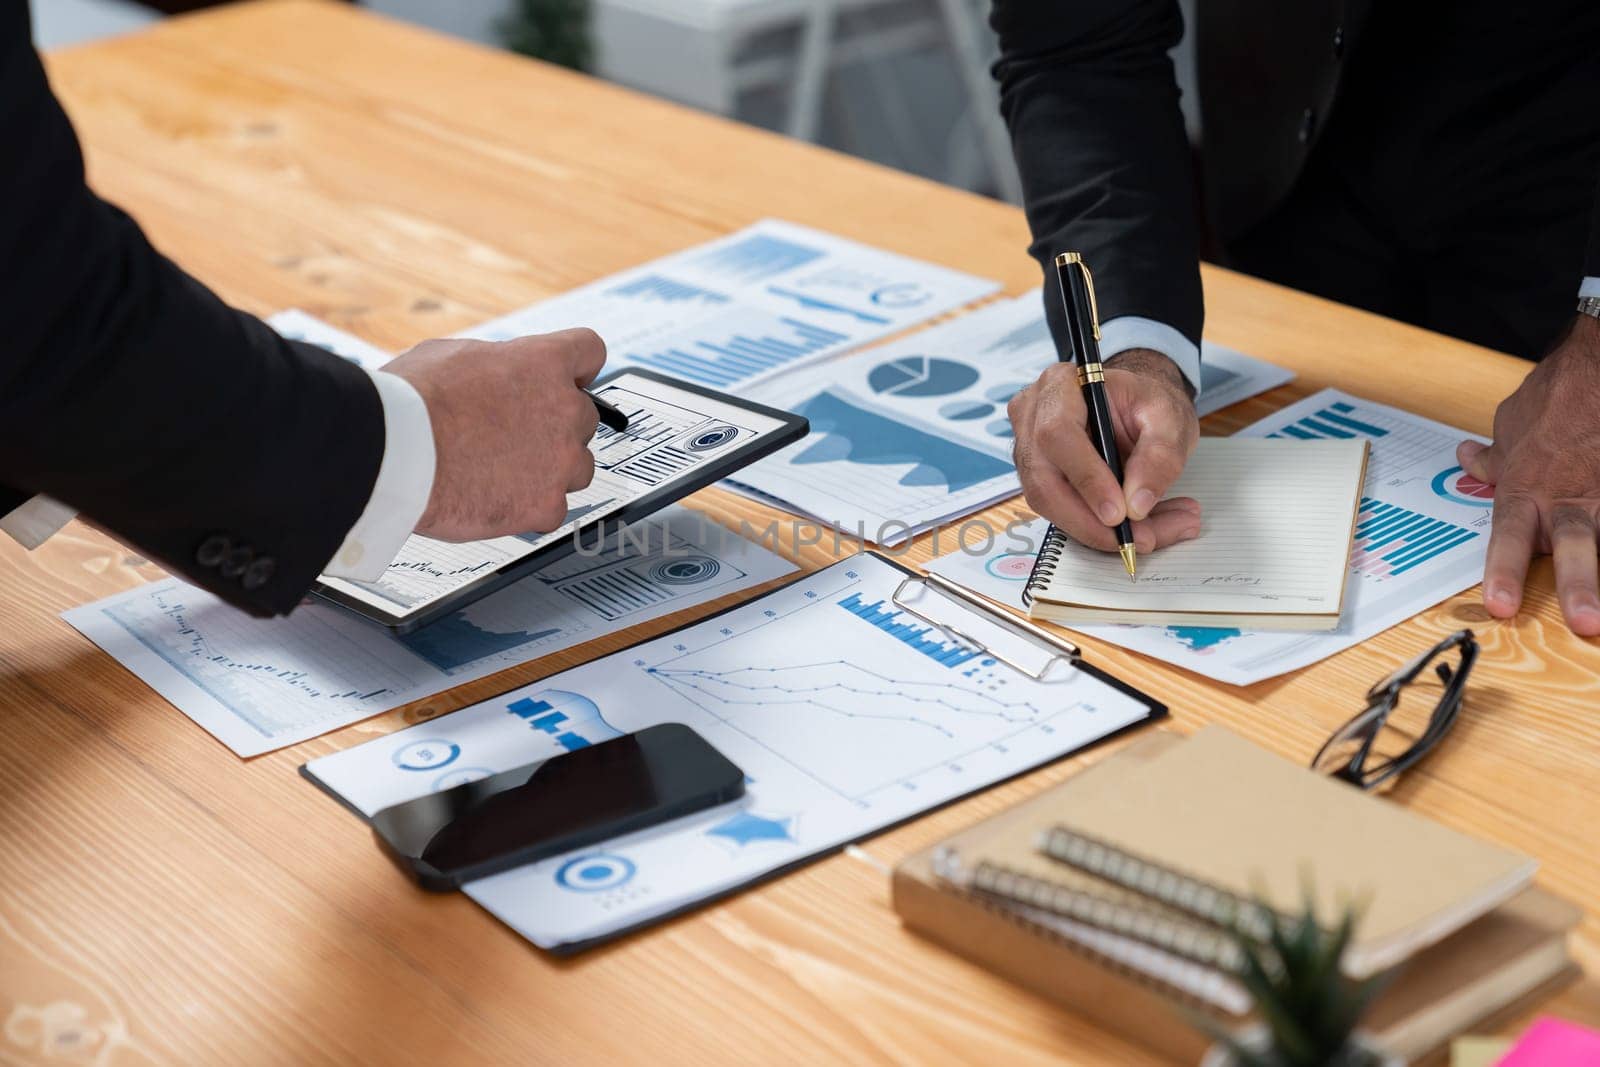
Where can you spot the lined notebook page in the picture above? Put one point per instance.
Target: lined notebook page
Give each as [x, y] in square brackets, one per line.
[1276, 522]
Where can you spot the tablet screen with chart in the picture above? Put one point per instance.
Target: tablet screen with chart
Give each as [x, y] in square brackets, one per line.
[679, 438]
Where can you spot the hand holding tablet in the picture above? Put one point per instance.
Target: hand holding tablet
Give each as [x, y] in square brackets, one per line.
[679, 438]
[510, 423]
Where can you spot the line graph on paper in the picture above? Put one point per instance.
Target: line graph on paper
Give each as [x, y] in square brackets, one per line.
[869, 703]
[275, 674]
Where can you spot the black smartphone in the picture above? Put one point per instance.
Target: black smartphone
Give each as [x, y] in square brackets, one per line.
[543, 809]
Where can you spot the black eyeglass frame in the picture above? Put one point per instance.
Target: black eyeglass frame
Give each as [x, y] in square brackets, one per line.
[1384, 697]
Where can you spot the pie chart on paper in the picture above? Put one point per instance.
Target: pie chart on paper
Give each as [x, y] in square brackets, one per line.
[1457, 486]
[921, 376]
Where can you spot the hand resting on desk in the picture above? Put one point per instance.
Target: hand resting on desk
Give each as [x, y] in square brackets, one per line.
[1545, 467]
[511, 425]
[1068, 483]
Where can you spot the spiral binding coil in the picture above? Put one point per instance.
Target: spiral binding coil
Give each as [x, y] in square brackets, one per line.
[980, 887]
[1175, 889]
[1180, 937]
[1044, 565]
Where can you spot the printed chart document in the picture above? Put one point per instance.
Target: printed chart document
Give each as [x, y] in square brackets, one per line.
[1420, 537]
[261, 684]
[915, 433]
[846, 713]
[766, 299]
[1274, 546]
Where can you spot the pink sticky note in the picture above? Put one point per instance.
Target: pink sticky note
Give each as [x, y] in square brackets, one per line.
[1552, 1042]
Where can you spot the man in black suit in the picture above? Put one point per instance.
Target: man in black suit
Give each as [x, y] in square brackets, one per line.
[1436, 161]
[246, 463]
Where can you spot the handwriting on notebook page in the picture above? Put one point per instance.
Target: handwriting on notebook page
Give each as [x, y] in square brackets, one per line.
[1276, 520]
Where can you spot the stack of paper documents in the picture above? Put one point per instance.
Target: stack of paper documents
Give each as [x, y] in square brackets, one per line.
[1421, 531]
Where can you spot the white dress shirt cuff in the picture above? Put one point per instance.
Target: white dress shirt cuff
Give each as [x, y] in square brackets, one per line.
[36, 520]
[1131, 331]
[400, 493]
[1590, 287]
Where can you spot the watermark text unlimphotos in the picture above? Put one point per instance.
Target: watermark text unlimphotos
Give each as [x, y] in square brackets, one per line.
[788, 537]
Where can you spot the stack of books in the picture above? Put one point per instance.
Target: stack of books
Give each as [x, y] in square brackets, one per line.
[1112, 892]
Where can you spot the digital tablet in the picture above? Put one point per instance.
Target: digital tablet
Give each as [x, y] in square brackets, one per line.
[680, 438]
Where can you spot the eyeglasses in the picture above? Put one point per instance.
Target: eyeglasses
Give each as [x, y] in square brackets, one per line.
[1372, 748]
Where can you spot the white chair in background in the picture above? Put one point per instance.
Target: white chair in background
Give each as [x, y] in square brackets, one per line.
[712, 53]
[60, 23]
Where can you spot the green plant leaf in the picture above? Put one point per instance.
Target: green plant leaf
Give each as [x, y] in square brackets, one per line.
[1276, 1011]
[1310, 1009]
[556, 31]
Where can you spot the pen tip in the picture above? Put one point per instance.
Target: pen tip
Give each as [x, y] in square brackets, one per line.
[1129, 560]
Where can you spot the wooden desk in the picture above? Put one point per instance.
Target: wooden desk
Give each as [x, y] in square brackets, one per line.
[160, 895]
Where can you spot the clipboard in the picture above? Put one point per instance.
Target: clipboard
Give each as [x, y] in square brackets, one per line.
[1055, 654]
[1062, 650]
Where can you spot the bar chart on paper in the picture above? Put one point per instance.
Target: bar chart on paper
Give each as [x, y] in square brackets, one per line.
[749, 305]
[572, 720]
[656, 288]
[758, 257]
[740, 347]
[1335, 421]
[1403, 446]
[1392, 540]
[947, 653]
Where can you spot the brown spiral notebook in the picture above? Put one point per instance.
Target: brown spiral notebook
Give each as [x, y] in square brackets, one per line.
[1207, 826]
[1143, 980]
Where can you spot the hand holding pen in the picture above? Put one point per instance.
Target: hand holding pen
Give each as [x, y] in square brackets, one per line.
[609, 414]
[1151, 426]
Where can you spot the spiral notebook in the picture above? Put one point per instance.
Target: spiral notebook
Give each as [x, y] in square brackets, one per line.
[1148, 970]
[1216, 823]
[1278, 518]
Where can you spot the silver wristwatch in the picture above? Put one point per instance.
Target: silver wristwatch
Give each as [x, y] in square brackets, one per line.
[1589, 305]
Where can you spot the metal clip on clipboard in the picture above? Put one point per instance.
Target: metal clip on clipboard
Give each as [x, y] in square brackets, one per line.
[1064, 651]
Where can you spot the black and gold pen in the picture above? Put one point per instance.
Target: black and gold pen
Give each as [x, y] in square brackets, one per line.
[1083, 329]
[610, 414]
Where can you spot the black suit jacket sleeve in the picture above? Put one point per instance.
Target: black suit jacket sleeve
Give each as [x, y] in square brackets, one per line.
[130, 392]
[1591, 257]
[1091, 99]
